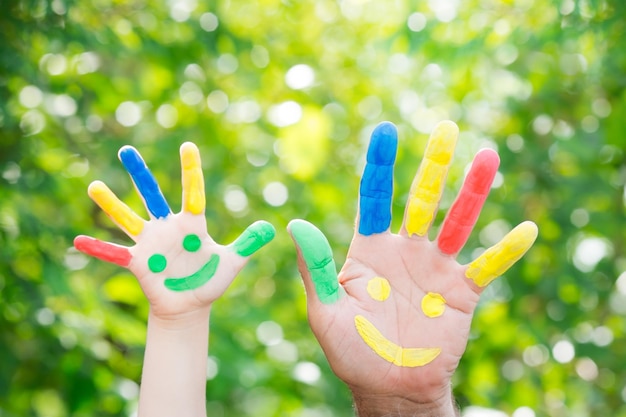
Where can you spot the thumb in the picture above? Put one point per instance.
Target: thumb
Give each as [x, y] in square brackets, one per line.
[315, 261]
[257, 235]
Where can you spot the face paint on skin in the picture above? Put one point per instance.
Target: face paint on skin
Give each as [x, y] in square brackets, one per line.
[433, 304]
[191, 243]
[128, 220]
[105, 251]
[194, 200]
[428, 184]
[197, 279]
[391, 352]
[319, 260]
[377, 181]
[257, 235]
[500, 257]
[463, 214]
[145, 182]
[378, 288]
[157, 263]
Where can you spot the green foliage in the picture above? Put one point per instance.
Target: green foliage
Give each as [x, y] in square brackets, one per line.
[281, 96]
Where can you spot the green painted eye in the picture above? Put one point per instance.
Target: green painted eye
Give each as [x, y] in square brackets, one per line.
[157, 263]
[192, 243]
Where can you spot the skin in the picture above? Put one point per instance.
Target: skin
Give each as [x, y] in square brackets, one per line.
[181, 271]
[431, 300]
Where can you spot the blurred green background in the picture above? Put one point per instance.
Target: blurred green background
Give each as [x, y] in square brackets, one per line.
[281, 96]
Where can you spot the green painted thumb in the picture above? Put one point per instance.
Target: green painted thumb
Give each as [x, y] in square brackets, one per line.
[318, 258]
[257, 235]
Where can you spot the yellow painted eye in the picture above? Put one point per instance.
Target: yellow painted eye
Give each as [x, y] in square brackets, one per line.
[433, 304]
[378, 288]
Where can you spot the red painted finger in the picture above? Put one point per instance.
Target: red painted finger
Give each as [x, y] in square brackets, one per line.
[105, 251]
[464, 212]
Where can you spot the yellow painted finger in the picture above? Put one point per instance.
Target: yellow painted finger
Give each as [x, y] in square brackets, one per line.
[428, 184]
[194, 200]
[500, 257]
[125, 218]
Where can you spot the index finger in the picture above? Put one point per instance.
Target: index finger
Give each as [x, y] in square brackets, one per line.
[376, 187]
[194, 200]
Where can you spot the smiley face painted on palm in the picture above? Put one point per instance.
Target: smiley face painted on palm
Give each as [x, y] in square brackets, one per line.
[176, 247]
[182, 261]
[191, 243]
[317, 255]
[433, 305]
[375, 198]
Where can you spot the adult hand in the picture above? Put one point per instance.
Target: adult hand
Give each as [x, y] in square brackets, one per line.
[395, 321]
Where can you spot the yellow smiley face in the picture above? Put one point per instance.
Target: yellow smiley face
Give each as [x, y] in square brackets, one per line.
[433, 305]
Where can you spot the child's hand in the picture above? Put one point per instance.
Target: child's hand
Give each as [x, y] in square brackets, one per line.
[395, 322]
[179, 266]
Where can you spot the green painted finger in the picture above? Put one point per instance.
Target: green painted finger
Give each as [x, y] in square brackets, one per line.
[257, 235]
[318, 258]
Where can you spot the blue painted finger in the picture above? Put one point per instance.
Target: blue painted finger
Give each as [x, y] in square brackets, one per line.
[145, 182]
[377, 181]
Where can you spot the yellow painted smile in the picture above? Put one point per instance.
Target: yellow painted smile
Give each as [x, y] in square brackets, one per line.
[391, 352]
[433, 305]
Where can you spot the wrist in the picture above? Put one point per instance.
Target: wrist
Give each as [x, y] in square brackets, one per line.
[173, 381]
[180, 322]
[368, 405]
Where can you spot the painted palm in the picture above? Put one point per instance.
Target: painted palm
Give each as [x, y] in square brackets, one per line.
[396, 319]
[178, 265]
